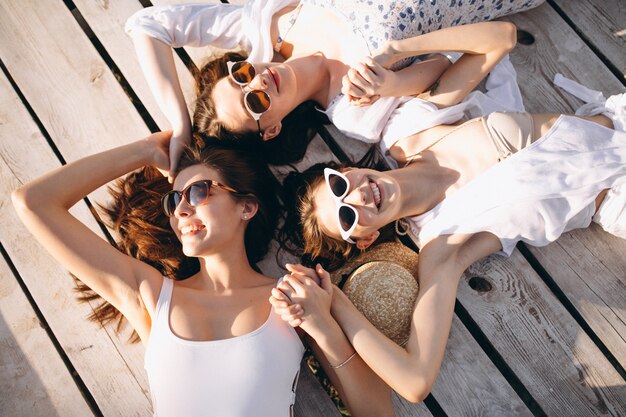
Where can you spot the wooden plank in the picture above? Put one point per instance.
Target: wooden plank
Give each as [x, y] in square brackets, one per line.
[311, 399]
[111, 369]
[559, 365]
[84, 109]
[107, 20]
[602, 22]
[588, 266]
[585, 253]
[469, 383]
[557, 49]
[35, 381]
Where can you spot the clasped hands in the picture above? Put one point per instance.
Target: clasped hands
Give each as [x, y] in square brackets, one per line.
[371, 79]
[304, 297]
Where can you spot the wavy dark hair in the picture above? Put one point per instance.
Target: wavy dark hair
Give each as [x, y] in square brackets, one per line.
[301, 234]
[143, 231]
[298, 127]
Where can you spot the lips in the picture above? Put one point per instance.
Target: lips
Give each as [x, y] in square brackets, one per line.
[191, 229]
[376, 193]
[275, 78]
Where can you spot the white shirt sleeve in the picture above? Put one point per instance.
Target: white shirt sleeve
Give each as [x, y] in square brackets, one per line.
[218, 24]
[226, 26]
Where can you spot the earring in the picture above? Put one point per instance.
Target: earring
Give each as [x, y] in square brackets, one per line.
[245, 217]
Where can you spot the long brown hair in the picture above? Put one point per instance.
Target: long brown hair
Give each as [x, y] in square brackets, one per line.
[143, 231]
[298, 127]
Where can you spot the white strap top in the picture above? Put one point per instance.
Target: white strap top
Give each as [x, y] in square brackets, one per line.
[538, 193]
[250, 375]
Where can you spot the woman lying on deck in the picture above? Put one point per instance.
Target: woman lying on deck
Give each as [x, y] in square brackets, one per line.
[320, 41]
[214, 346]
[460, 204]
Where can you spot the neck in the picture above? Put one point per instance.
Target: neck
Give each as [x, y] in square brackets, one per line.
[423, 185]
[226, 270]
[317, 78]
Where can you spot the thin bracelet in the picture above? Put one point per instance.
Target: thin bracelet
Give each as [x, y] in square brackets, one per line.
[342, 363]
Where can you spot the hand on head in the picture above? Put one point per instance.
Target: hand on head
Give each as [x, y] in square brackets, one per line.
[303, 297]
[161, 150]
[179, 140]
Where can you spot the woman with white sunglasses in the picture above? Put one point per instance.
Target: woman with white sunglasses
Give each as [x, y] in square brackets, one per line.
[320, 41]
[186, 284]
[476, 189]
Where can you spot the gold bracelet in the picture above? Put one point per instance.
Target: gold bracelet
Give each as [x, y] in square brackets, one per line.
[342, 363]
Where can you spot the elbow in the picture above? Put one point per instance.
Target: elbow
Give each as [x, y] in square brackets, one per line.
[25, 199]
[416, 392]
[508, 35]
[20, 199]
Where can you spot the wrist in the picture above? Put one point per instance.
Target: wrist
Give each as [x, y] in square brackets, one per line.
[327, 335]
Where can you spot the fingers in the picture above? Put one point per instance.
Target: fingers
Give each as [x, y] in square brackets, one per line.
[285, 289]
[353, 84]
[177, 145]
[301, 271]
[325, 281]
[291, 314]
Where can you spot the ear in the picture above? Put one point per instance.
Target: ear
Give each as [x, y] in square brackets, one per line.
[366, 242]
[249, 209]
[271, 132]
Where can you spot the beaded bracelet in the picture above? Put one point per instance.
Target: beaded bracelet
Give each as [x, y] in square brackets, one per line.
[344, 362]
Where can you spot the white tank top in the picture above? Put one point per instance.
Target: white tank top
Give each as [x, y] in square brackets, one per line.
[249, 375]
[537, 194]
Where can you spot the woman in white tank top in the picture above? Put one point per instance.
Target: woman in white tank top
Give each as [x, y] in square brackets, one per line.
[466, 192]
[214, 345]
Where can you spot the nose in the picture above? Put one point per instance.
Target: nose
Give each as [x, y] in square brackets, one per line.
[183, 209]
[259, 82]
[355, 197]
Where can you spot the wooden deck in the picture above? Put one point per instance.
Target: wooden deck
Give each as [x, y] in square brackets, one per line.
[540, 333]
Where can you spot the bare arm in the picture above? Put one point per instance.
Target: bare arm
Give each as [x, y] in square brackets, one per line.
[157, 62]
[43, 205]
[369, 80]
[483, 44]
[412, 371]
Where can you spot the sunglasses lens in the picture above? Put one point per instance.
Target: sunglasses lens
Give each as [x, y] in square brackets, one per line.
[347, 217]
[338, 185]
[198, 193]
[243, 72]
[170, 202]
[258, 101]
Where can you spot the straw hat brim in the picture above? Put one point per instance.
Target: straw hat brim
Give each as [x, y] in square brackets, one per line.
[382, 284]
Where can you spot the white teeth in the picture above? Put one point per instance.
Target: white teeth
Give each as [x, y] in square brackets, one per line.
[375, 193]
[191, 228]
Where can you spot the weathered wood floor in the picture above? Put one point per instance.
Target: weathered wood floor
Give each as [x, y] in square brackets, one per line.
[540, 333]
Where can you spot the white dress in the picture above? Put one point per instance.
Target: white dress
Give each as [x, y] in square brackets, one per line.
[536, 194]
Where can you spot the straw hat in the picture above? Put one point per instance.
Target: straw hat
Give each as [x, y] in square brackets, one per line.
[382, 284]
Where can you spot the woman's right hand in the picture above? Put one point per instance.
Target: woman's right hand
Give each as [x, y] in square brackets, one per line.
[179, 140]
[159, 152]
